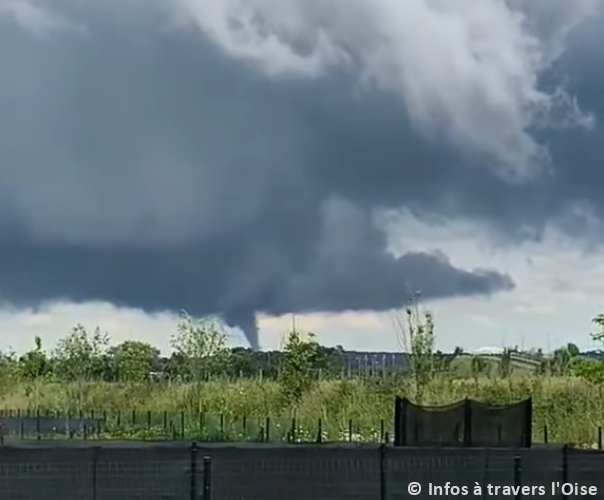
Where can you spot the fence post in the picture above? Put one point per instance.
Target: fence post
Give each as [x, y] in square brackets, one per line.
[518, 476]
[193, 472]
[400, 424]
[207, 478]
[95, 461]
[528, 429]
[564, 466]
[268, 429]
[38, 436]
[383, 492]
[467, 425]
[320, 432]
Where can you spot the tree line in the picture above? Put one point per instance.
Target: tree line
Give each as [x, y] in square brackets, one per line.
[200, 352]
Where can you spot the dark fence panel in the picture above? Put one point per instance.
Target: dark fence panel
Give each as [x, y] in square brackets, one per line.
[507, 426]
[294, 472]
[585, 467]
[171, 471]
[153, 473]
[48, 426]
[460, 467]
[542, 466]
[40, 473]
[466, 423]
[429, 425]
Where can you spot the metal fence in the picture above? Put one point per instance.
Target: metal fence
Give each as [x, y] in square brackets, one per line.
[208, 427]
[186, 425]
[164, 471]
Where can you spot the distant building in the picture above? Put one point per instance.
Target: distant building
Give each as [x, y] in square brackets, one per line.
[598, 354]
[482, 351]
[355, 360]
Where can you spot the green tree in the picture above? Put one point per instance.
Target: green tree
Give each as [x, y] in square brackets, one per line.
[591, 370]
[9, 366]
[249, 363]
[298, 369]
[34, 364]
[599, 322]
[133, 361]
[81, 356]
[573, 350]
[330, 361]
[177, 367]
[201, 344]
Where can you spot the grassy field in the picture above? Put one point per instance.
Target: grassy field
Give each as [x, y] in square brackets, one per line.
[571, 409]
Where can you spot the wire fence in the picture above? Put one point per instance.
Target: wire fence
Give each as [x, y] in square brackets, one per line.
[125, 471]
[184, 425]
[211, 427]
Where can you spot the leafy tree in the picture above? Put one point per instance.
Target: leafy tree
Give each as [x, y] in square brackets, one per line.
[573, 350]
[80, 356]
[133, 361]
[329, 361]
[34, 364]
[599, 321]
[177, 367]
[248, 363]
[8, 366]
[202, 344]
[591, 370]
[298, 371]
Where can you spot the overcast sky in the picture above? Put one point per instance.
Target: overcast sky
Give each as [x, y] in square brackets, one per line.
[324, 158]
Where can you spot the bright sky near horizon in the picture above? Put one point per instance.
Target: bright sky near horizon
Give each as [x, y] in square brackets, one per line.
[323, 158]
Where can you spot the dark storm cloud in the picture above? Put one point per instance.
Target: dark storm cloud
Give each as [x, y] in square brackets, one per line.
[144, 167]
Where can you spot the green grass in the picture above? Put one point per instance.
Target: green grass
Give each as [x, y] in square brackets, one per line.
[571, 409]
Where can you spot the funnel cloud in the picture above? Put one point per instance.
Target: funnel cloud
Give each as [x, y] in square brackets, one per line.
[238, 157]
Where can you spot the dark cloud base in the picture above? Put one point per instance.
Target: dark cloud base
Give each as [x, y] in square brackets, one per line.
[144, 169]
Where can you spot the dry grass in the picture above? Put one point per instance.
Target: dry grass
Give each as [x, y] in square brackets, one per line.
[571, 408]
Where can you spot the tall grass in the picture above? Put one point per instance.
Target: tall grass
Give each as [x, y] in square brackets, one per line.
[571, 409]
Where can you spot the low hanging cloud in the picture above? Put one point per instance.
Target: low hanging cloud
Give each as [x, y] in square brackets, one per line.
[230, 157]
[468, 70]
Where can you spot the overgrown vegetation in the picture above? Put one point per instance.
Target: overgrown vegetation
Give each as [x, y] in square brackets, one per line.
[206, 391]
